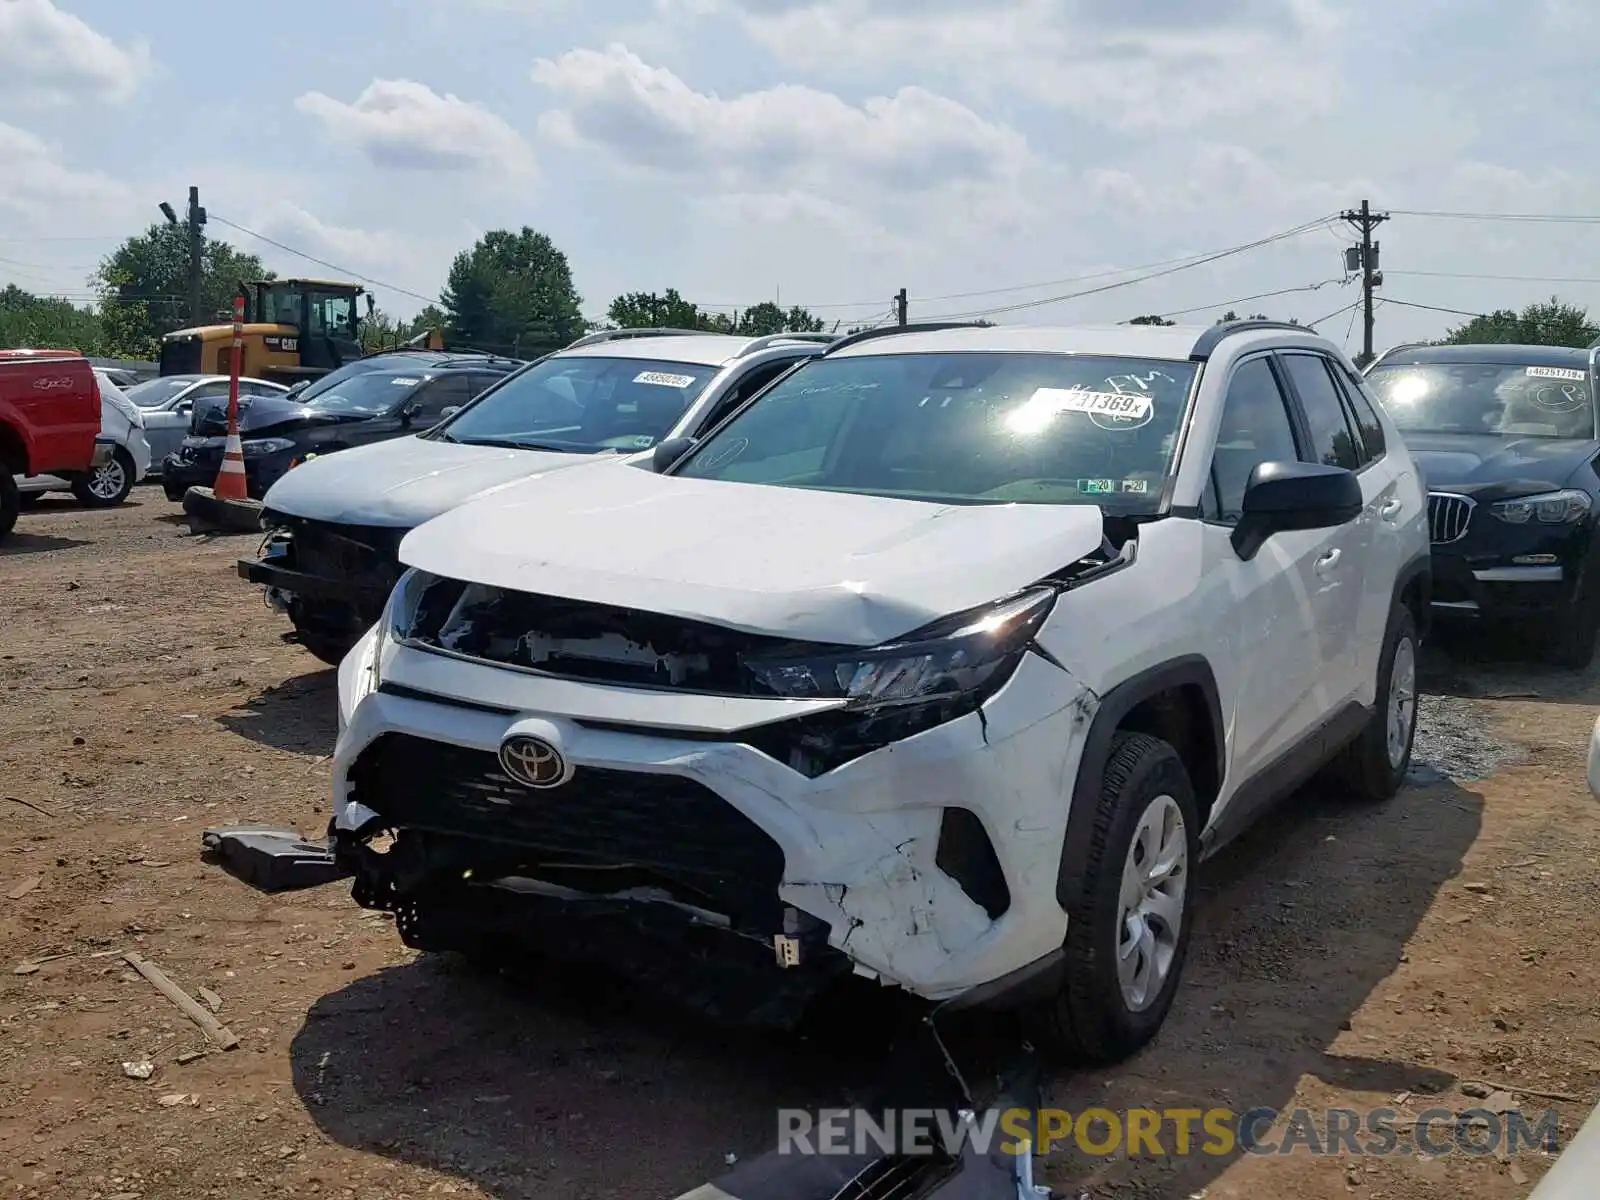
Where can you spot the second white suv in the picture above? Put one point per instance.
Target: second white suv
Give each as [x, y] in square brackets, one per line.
[944, 661]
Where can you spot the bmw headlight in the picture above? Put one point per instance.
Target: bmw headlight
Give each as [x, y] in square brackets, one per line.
[1548, 508]
[261, 447]
[967, 655]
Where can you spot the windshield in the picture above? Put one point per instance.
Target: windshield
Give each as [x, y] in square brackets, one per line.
[980, 428]
[584, 405]
[157, 392]
[1511, 401]
[364, 395]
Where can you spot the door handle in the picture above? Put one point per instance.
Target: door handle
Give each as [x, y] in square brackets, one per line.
[1390, 509]
[1327, 562]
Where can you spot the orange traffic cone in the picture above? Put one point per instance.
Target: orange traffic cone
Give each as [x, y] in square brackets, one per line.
[231, 483]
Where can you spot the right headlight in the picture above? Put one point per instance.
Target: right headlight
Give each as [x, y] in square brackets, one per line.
[969, 654]
[1548, 508]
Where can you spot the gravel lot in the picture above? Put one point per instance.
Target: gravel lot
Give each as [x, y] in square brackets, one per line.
[1346, 957]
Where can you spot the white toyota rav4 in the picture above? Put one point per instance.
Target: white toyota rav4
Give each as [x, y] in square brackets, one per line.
[943, 660]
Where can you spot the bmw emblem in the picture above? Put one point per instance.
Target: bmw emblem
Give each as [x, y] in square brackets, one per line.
[533, 762]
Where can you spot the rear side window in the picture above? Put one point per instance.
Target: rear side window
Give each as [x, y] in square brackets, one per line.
[1368, 429]
[1332, 441]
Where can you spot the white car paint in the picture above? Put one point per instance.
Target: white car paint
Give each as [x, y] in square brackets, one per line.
[1594, 759]
[1292, 635]
[405, 481]
[121, 424]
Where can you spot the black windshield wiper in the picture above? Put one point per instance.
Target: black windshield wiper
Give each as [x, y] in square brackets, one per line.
[514, 444]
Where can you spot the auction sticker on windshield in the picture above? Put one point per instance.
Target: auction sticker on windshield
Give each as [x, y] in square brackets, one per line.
[404, 380]
[1106, 404]
[662, 379]
[1556, 373]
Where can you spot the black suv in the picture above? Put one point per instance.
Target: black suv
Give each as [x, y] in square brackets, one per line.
[370, 400]
[1506, 438]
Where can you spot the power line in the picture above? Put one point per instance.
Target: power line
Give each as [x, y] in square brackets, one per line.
[1500, 278]
[1297, 231]
[1307, 287]
[1459, 312]
[321, 262]
[1535, 218]
[1354, 304]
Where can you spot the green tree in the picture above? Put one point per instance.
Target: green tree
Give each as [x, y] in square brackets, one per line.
[1151, 320]
[1546, 323]
[652, 310]
[512, 292]
[380, 331]
[44, 322]
[765, 318]
[143, 287]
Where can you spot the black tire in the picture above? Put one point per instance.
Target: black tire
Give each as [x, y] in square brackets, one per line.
[1572, 642]
[10, 501]
[1088, 1021]
[84, 488]
[1365, 771]
[330, 650]
[26, 500]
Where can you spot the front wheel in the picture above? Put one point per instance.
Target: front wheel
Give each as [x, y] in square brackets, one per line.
[1372, 768]
[108, 484]
[10, 501]
[1127, 938]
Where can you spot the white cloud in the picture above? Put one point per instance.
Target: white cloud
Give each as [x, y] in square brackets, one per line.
[39, 186]
[1145, 66]
[786, 137]
[48, 56]
[390, 260]
[407, 125]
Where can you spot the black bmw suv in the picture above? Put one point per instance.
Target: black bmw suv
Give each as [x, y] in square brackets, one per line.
[1506, 438]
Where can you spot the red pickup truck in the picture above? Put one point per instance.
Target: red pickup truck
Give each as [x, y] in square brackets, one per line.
[49, 416]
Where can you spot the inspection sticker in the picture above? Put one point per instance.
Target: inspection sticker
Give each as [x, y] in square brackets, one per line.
[1132, 405]
[404, 381]
[662, 379]
[1556, 373]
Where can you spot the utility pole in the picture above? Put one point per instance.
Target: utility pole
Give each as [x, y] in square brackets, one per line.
[197, 250]
[195, 220]
[1365, 259]
[900, 305]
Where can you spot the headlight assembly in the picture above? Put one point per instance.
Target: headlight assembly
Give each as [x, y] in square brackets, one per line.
[1548, 508]
[969, 654]
[260, 447]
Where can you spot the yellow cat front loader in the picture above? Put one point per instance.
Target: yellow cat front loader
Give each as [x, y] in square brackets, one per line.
[295, 330]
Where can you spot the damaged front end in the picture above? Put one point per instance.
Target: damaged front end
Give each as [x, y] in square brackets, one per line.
[693, 858]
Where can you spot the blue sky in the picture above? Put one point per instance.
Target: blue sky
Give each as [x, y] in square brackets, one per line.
[826, 152]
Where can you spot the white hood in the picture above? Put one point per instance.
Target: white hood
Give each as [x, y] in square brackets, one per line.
[405, 481]
[813, 565]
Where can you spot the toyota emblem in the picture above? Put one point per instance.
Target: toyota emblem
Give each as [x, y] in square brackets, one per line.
[533, 762]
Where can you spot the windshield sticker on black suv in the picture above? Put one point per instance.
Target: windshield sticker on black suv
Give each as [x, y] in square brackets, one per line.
[1565, 398]
[1557, 373]
[662, 379]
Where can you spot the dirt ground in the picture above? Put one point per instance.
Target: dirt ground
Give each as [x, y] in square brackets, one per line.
[1345, 958]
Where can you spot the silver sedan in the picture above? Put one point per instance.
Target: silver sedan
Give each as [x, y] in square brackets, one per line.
[168, 402]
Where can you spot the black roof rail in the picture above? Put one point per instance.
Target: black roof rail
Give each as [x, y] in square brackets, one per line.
[867, 335]
[612, 335]
[1206, 345]
[1378, 358]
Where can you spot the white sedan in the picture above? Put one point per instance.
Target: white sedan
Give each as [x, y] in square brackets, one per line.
[122, 456]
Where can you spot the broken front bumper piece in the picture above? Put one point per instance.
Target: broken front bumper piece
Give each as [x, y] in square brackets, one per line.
[272, 859]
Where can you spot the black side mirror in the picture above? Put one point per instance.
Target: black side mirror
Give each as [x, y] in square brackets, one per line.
[1281, 496]
[669, 452]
